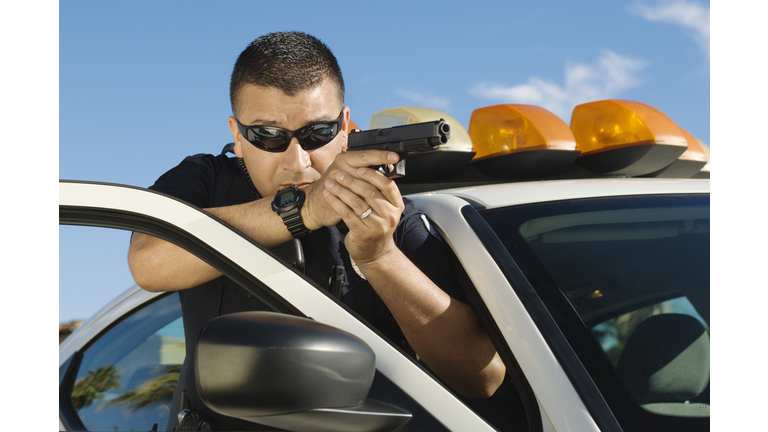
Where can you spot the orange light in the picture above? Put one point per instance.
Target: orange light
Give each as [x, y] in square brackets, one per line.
[503, 129]
[521, 141]
[620, 137]
[608, 124]
[593, 295]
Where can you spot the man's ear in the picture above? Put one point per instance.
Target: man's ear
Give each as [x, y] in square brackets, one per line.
[235, 136]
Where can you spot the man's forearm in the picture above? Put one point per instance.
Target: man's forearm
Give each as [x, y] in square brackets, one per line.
[444, 332]
[158, 265]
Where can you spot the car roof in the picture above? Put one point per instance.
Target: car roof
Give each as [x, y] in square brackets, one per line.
[509, 194]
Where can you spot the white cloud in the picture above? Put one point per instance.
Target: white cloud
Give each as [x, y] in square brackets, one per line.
[688, 14]
[424, 100]
[606, 78]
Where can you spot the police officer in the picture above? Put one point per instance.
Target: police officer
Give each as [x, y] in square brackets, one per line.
[289, 125]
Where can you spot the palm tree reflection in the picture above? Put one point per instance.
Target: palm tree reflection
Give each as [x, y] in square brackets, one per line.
[92, 386]
[156, 390]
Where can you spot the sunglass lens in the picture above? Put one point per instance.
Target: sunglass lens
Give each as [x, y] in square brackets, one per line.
[319, 135]
[267, 138]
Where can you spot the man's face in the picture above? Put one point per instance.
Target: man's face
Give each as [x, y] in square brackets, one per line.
[267, 106]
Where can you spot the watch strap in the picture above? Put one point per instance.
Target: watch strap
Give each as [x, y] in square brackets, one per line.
[292, 220]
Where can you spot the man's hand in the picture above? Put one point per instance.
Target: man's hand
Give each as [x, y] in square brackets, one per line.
[353, 189]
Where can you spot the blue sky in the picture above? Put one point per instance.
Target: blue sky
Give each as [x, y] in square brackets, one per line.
[144, 84]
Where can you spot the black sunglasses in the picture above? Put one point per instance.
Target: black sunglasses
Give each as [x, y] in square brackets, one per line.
[275, 139]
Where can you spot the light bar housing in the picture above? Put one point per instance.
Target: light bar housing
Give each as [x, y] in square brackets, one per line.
[688, 164]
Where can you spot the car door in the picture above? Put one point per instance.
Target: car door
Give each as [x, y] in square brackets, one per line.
[90, 362]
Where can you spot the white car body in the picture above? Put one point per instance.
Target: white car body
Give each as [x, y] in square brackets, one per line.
[561, 406]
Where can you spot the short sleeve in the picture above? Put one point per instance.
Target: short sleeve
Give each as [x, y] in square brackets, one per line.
[424, 247]
[189, 181]
[206, 181]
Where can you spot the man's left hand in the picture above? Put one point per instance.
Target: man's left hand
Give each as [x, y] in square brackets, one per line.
[370, 238]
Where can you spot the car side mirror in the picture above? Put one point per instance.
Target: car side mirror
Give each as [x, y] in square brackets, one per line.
[291, 373]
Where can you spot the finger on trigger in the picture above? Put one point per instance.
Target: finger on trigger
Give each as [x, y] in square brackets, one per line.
[367, 158]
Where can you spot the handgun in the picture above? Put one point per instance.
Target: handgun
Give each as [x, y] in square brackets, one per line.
[404, 140]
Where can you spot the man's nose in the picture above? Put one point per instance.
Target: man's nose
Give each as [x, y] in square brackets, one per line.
[295, 158]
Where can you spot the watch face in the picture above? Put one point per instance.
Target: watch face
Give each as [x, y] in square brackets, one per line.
[286, 199]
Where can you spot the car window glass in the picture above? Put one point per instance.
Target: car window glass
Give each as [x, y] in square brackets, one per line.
[627, 279]
[614, 333]
[127, 378]
[654, 379]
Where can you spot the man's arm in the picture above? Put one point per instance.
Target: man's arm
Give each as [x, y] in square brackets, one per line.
[158, 265]
[444, 332]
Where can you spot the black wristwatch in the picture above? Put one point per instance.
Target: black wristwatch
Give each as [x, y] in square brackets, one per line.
[287, 204]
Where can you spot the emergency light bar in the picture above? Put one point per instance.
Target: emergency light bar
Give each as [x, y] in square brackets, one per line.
[521, 141]
[609, 138]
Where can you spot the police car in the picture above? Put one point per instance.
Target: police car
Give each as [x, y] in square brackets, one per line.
[594, 291]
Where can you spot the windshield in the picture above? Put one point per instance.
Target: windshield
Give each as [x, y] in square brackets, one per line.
[627, 281]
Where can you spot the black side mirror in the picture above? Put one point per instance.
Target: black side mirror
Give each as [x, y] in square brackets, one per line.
[289, 372]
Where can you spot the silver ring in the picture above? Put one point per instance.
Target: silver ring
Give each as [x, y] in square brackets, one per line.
[366, 214]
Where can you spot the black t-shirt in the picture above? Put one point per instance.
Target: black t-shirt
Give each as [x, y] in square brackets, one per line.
[208, 181]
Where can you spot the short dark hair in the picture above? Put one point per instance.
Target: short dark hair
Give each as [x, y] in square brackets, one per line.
[288, 61]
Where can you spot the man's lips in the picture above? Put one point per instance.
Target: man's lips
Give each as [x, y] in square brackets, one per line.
[300, 185]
